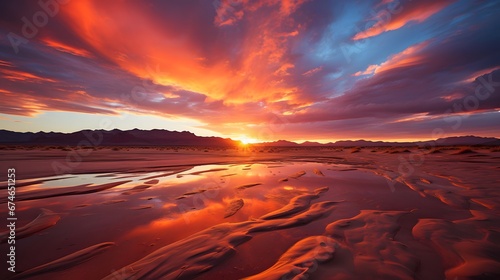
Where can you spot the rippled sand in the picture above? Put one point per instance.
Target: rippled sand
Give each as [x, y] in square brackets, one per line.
[376, 213]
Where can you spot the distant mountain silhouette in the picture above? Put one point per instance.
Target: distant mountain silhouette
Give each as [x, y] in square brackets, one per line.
[448, 141]
[469, 140]
[116, 137]
[279, 143]
[160, 137]
[311, 144]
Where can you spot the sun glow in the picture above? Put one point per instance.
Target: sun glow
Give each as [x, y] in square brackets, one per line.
[246, 140]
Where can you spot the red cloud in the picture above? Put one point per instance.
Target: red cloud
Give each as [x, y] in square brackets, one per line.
[66, 48]
[135, 40]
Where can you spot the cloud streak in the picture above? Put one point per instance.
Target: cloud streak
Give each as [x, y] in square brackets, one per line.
[397, 14]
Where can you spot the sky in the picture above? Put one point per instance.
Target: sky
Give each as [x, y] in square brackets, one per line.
[253, 70]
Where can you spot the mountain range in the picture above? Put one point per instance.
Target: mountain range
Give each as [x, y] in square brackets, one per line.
[160, 137]
[115, 137]
[447, 141]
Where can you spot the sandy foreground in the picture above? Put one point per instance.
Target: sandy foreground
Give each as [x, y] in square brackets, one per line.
[255, 213]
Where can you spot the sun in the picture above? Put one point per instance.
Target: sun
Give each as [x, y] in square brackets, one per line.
[247, 140]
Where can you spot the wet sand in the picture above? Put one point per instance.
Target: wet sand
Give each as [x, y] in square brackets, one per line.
[256, 213]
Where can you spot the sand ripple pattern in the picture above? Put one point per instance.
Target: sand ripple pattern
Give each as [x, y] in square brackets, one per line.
[200, 252]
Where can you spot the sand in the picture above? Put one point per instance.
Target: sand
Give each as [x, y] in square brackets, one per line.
[65, 262]
[233, 207]
[43, 221]
[355, 213]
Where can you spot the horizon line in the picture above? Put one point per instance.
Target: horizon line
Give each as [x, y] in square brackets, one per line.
[298, 142]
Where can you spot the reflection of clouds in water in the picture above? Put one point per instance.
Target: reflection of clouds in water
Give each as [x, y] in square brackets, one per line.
[28, 188]
[189, 220]
[171, 220]
[168, 217]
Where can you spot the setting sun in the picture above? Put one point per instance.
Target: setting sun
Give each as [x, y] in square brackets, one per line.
[246, 140]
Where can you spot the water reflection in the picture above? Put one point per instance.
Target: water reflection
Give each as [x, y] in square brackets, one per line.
[176, 206]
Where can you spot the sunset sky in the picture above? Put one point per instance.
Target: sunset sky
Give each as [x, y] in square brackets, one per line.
[265, 70]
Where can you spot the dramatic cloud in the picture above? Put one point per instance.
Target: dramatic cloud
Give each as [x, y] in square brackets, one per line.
[396, 14]
[270, 69]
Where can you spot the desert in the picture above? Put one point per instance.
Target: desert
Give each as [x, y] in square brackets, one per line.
[258, 213]
[249, 139]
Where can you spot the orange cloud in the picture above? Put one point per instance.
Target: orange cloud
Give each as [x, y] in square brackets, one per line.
[229, 12]
[289, 6]
[417, 11]
[139, 42]
[408, 57]
[66, 48]
[312, 71]
[20, 76]
[17, 104]
[370, 70]
[22, 104]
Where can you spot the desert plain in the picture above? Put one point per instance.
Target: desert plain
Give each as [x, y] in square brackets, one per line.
[254, 213]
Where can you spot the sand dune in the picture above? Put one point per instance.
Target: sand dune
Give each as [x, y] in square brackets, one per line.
[45, 220]
[318, 172]
[315, 212]
[200, 252]
[188, 257]
[387, 213]
[486, 202]
[414, 185]
[246, 186]
[370, 238]
[233, 207]
[450, 198]
[300, 260]
[76, 190]
[297, 204]
[468, 251]
[293, 176]
[66, 262]
[464, 152]
[195, 192]
[297, 175]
